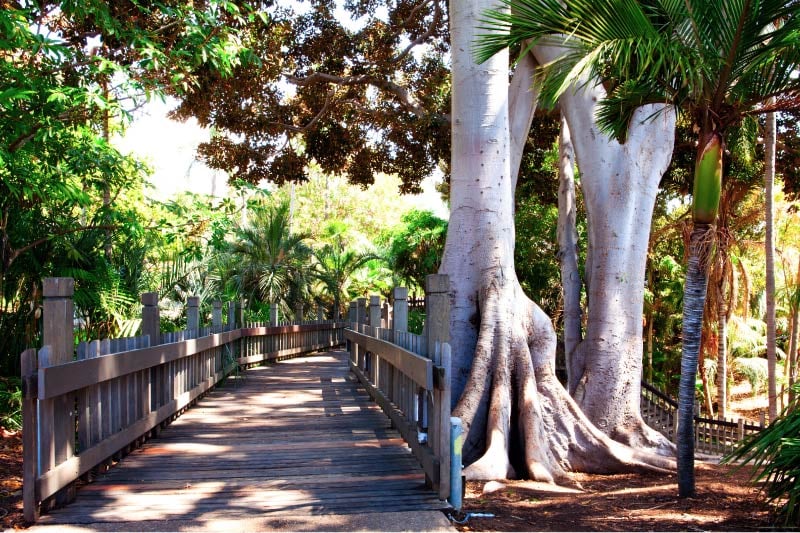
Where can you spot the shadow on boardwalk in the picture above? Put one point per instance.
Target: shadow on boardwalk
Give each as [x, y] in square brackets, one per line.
[295, 446]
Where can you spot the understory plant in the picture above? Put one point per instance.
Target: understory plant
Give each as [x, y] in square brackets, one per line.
[10, 404]
[774, 455]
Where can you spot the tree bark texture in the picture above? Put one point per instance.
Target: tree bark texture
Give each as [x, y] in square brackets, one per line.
[769, 253]
[571, 283]
[518, 419]
[619, 184]
[693, 304]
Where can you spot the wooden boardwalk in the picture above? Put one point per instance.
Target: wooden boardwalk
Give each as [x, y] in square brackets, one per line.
[295, 439]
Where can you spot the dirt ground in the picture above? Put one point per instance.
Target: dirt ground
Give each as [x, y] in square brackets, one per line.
[10, 480]
[726, 501]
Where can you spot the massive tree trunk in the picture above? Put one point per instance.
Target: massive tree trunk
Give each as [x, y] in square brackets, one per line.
[619, 184]
[518, 419]
[571, 283]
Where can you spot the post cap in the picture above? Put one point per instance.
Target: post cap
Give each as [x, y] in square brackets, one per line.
[193, 301]
[437, 283]
[400, 293]
[149, 298]
[58, 287]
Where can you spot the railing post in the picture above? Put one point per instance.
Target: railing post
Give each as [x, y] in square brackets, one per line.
[30, 432]
[386, 312]
[375, 311]
[298, 313]
[58, 333]
[362, 311]
[437, 311]
[352, 312]
[400, 311]
[193, 316]
[151, 319]
[231, 316]
[273, 314]
[216, 316]
[320, 313]
[437, 327]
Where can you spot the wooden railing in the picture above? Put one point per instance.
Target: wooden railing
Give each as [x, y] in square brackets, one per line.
[413, 391]
[712, 436]
[408, 375]
[83, 413]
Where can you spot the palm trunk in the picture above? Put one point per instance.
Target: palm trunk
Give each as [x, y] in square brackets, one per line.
[705, 206]
[693, 303]
[791, 359]
[722, 356]
[769, 178]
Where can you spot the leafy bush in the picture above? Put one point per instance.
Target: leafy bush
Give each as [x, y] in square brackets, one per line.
[416, 321]
[11, 403]
[775, 456]
[754, 369]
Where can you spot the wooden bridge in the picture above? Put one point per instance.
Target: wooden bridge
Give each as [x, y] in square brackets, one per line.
[298, 444]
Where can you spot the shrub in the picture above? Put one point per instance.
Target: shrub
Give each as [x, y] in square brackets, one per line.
[775, 457]
[11, 403]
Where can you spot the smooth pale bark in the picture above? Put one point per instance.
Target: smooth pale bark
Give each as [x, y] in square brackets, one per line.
[522, 99]
[503, 344]
[769, 253]
[568, 255]
[619, 184]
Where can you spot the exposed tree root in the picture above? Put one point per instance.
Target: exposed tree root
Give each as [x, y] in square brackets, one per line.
[519, 420]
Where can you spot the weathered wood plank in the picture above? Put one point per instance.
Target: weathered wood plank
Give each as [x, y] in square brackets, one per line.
[298, 436]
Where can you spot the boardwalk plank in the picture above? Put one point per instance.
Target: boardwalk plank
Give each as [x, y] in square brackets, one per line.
[290, 439]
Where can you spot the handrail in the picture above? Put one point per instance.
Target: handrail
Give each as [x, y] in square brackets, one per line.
[126, 397]
[712, 435]
[413, 391]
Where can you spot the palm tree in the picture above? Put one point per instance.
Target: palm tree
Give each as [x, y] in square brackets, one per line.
[272, 261]
[334, 268]
[719, 61]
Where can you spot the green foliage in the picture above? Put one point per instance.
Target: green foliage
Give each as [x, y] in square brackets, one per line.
[11, 403]
[335, 267]
[414, 248]
[332, 87]
[754, 369]
[775, 456]
[270, 263]
[416, 321]
[70, 202]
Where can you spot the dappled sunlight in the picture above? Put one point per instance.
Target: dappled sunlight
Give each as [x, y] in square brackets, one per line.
[264, 454]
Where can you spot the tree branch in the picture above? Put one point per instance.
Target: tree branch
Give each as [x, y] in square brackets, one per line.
[19, 251]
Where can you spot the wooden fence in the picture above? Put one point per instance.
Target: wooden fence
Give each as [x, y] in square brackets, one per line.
[712, 436]
[83, 409]
[409, 375]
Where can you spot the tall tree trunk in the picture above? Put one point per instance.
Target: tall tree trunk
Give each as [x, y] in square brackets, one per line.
[619, 183]
[518, 419]
[693, 304]
[791, 356]
[722, 352]
[107, 246]
[769, 179]
[568, 255]
[705, 207]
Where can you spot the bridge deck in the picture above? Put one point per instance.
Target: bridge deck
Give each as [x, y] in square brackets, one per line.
[298, 438]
